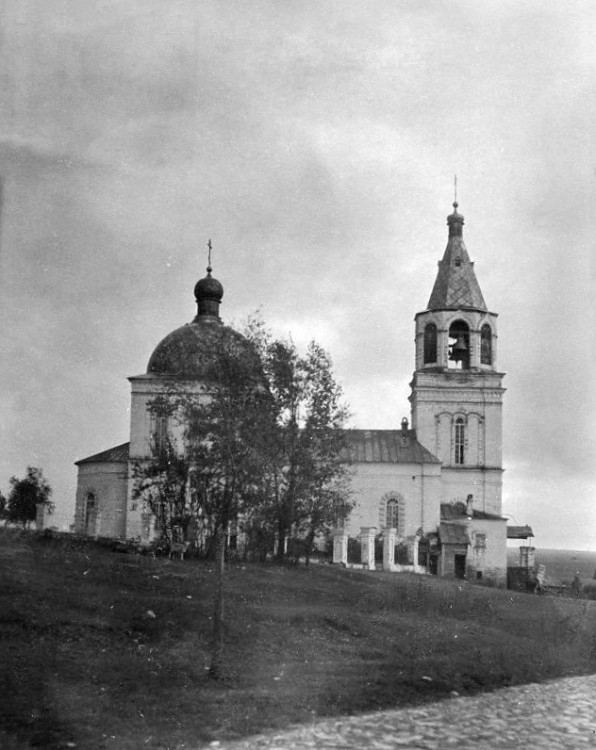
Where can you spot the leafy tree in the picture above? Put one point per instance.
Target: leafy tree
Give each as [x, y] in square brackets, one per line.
[258, 443]
[212, 471]
[25, 494]
[309, 480]
[3, 504]
[162, 483]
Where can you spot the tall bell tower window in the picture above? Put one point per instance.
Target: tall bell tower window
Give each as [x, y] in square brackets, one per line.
[430, 344]
[459, 440]
[459, 346]
[486, 345]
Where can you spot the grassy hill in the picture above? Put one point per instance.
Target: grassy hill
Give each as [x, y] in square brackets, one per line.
[107, 650]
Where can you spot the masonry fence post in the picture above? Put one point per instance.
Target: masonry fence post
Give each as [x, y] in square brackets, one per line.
[389, 535]
[340, 546]
[367, 546]
[414, 550]
[40, 513]
[527, 557]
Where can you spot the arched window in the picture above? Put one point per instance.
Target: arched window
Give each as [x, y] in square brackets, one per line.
[392, 512]
[392, 518]
[486, 345]
[459, 440]
[90, 514]
[459, 345]
[430, 343]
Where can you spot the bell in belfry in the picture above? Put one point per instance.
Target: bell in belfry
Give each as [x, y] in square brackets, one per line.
[459, 349]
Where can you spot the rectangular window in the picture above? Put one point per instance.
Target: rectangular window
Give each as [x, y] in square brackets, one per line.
[459, 441]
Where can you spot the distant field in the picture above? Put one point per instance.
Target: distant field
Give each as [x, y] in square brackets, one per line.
[100, 649]
[561, 565]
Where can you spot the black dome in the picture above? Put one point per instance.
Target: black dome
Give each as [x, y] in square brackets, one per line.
[209, 288]
[191, 352]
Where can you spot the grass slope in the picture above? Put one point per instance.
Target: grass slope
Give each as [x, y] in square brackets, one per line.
[82, 661]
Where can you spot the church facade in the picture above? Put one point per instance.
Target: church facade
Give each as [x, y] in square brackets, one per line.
[429, 492]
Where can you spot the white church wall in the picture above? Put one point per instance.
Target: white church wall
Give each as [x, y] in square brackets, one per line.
[106, 485]
[145, 389]
[493, 441]
[488, 553]
[372, 484]
[485, 485]
[474, 446]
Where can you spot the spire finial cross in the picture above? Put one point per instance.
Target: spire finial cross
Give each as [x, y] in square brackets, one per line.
[209, 248]
[455, 204]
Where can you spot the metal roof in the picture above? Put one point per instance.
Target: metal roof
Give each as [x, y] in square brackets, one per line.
[457, 511]
[453, 533]
[386, 447]
[116, 455]
[519, 532]
[361, 446]
[456, 285]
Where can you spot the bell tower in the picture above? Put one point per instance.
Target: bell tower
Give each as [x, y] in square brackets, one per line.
[457, 391]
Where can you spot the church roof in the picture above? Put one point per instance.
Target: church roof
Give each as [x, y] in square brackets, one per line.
[362, 446]
[386, 447]
[519, 532]
[457, 511]
[191, 351]
[116, 455]
[456, 285]
[453, 533]
[198, 350]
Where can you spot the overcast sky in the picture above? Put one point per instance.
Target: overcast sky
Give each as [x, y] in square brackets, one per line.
[315, 143]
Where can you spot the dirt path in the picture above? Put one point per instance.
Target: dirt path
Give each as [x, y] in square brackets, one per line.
[553, 715]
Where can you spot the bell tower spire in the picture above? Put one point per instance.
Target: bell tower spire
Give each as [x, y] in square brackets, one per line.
[456, 285]
[457, 391]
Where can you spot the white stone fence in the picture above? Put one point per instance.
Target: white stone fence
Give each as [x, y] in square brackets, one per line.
[367, 549]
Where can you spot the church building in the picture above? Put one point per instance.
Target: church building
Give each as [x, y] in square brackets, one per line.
[430, 492]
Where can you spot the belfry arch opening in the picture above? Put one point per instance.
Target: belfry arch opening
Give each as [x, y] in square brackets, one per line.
[430, 344]
[486, 345]
[459, 346]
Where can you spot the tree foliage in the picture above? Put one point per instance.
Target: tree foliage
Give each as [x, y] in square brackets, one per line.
[210, 467]
[309, 480]
[260, 445]
[25, 494]
[257, 446]
[161, 483]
